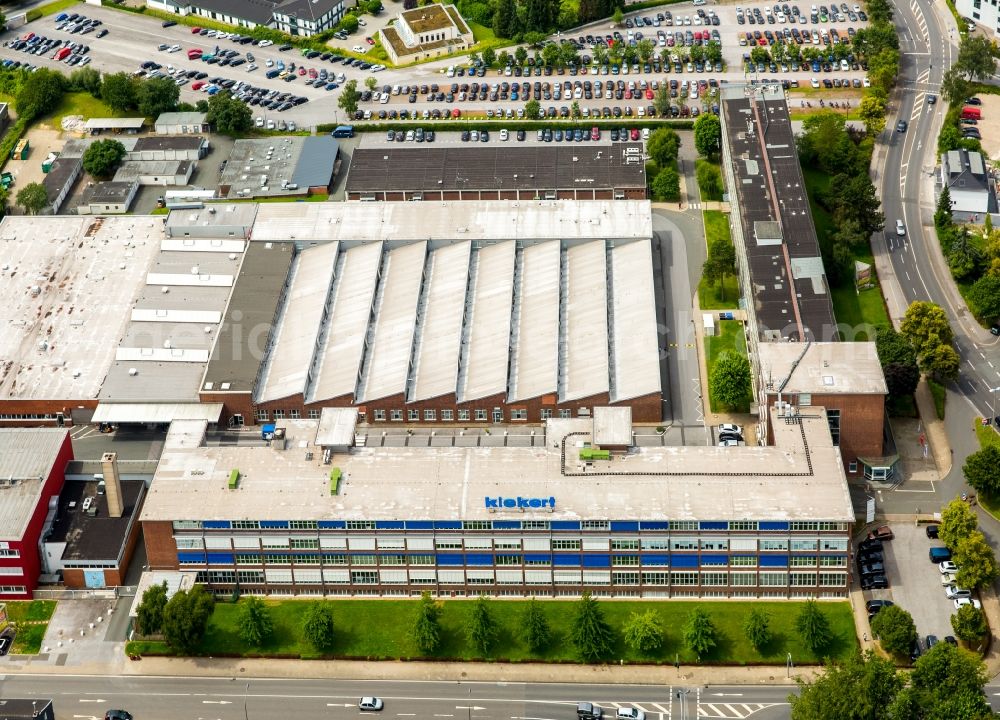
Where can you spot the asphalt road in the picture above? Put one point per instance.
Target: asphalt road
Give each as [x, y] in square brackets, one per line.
[134, 38]
[153, 698]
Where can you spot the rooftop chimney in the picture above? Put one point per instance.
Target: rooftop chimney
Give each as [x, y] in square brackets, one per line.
[113, 485]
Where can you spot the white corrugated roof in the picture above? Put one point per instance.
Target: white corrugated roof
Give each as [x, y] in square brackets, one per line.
[585, 369]
[636, 369]
[297, 330]
[395, 320]
[485, 371]
[440, 338]
[156, 412]
[336, 427]
[343, 350]
[536, 368]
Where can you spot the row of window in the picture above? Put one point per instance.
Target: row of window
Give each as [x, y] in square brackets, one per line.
[478, 544]
[27, 416]
[607, 525]
[511, 560]
[502, 577]
[429, 415]
[8, 553]
[13, 590]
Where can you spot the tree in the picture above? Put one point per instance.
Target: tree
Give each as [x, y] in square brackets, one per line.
[709, 177]
[980, 470]
[590, 632]
[644, 631]
[255, 621]
[157, 95]
[661, 100]
[118, 90]
[149, 620]
[969, 623]
[730, 380]
[520, 55]
[645, 48]
[894, 628]
[942, 363]
[757, 628]
[371, 82]
[349, 96]
[551, 55]
[926, 326]
[964, 257]
[426, 629]
[947, 682]
[957, 522]
[893, 347]
[535, 630]
[861, 688]
[505, 19]
[349, 24]
[943, 213]
[102, 157]
[857, 200]
[977, 57]
[185, 618]
[228, 115]
[977, 563]
[489, 56]
[872, 109]
[984, 297]
[532, 109]
[663, 146]
[954, 86]
[666, 185]
[318, 625]
[40, 93]
[33, 198]
[699, 632]
[3, 22]
[617, 16]
[482, 627]
[814, 627]
[721, 261]
[707, 135]
[901, 380]
[86, 79]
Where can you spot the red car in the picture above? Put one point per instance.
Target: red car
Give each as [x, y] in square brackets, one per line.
[595, 133]
[313, 73]
[369, 40]
[197, 85]
[649, 94]
[302, 71]
[456, 113]
[195, 30]
[883, 532]
[634, 133]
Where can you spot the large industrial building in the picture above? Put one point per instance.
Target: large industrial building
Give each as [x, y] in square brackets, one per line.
[303, 517]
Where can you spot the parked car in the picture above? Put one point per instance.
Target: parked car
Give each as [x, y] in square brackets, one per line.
[874, 582]
[947, 566]
[883, 532]
[874, 606]
[953, 592]
[370, 704]
[117, 715]
[932, 530]
[959, 602]
[630, 714]
[870, 545]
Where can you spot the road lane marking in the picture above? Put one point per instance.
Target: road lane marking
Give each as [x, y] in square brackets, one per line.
[217, 702]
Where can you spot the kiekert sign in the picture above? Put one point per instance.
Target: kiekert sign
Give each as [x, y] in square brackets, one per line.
[519, 503]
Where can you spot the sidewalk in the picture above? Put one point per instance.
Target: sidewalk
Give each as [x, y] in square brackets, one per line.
[934, 431]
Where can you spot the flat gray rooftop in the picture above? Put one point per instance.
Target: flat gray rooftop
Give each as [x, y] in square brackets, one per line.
[801, 478]
[264, 167]
[823, 367]
[26, 459]
[68, 285]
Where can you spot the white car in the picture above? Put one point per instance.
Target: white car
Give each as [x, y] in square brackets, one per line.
[948, 566]
[270, 125]
[954, 593]
[358, 48]
[732, 442]
[292, 126]
[504, 135]
[265, 43]
[378, 68]
[362, 23]
[173, 48]
[948, 579]
[900, 228]
[730, 428]
[259, 122]
[630, 714]
[372, 704]
[251, 67]
[814, 82]
[959, 602]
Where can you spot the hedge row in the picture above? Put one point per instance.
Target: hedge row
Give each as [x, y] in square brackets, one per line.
[15, 133]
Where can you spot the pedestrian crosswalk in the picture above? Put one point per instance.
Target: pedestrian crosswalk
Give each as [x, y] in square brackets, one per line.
[717, 710]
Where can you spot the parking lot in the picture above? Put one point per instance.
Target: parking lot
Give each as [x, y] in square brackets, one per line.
[915, 582]
[133, 39]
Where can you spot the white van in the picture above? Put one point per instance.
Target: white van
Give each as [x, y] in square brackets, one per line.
[451, 71]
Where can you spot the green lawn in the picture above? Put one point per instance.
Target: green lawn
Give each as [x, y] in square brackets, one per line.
[987, 435]
[938, 393]
[730, 337]
[81, 103]
[30, 610]
[856, 310]
[28, 640]
[379, 629]
[52, 8]
[722, 296]
[480, 33]
[705, 194]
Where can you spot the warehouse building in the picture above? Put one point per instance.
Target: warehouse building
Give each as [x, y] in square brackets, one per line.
[683, 522]
[156, 172]
[280, 167]
[32, 473]
[107, 198]
[182, 123]
[59, 181]
[448, 313]
[169, 147]
[596, 171]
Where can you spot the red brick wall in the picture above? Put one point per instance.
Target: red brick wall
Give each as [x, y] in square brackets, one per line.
[29, 561]
[161, 550]
[40, 407]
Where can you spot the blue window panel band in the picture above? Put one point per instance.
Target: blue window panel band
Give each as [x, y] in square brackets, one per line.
[220, 558]
[656, 560]
[478, 559]
[713, 525]
[389, 525]
[774, 561]
[419, 525]
[191, 557]
[537, 558]
[773, 526]
[715, 559]
[565, 525]
[332, 524]
[450, 559]
[684, 561]
[447, 524]
[217, 524]
[597, 561]
[570, 560]
[654, 525]
[274, 524]
[624, 526]
[506, 524]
